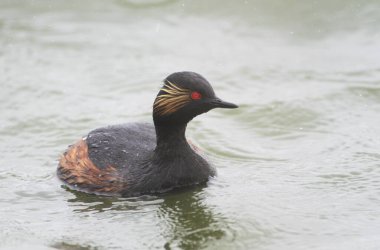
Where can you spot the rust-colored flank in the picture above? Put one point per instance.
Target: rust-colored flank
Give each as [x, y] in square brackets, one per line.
[78, 171]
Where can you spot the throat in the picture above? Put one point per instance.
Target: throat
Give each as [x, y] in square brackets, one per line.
[171, 139]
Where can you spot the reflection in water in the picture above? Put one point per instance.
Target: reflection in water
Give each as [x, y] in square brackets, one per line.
[146, 4]
[68, 246]
[83, 202]
[190, 224]
[186, 221]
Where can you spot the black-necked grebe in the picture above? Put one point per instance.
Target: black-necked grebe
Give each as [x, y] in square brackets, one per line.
[139, 158]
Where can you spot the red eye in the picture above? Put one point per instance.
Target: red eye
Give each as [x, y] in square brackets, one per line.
[196, 95]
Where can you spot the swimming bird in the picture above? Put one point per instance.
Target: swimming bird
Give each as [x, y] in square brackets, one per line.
[140, 158]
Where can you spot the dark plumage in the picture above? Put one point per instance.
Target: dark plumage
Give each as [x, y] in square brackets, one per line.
[139, 158]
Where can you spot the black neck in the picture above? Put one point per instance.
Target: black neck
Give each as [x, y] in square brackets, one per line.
[171, 138]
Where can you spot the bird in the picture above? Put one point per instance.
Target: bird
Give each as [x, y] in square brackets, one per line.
[134, 159]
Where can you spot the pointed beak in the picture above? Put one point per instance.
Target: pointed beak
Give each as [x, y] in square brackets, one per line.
[218, 103]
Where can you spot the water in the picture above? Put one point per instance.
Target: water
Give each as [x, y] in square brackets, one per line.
[298, 162]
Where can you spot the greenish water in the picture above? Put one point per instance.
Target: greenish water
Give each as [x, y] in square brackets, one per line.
[298, 162]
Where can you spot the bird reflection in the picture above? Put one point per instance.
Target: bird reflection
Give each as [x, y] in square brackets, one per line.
[186, 220]
[190, 224]
[83, 202]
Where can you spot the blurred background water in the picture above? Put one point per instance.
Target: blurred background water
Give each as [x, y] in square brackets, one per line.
[298, 162]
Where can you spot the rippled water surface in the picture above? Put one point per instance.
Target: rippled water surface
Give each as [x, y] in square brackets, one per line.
[298, 162]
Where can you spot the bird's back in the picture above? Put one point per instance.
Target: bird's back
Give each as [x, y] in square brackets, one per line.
[99, 162]
[122, 145]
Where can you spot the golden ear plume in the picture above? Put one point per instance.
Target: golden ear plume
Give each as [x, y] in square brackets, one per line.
[172, 100]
